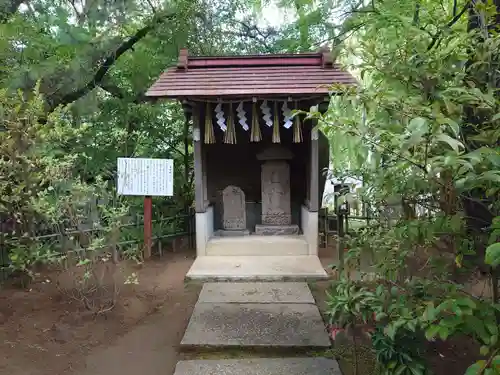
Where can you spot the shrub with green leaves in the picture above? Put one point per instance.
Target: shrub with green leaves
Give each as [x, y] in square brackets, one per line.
[401, 355]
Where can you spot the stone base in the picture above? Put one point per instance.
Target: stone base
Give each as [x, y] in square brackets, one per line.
[231, 233]
[276, 230]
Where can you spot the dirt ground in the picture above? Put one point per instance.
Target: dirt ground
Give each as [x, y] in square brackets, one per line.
[44, 331]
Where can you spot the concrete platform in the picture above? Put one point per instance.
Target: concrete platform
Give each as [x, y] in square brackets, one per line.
[260, 366]
[257, 268]
[254, 245]
[276, 325]
[256, 293]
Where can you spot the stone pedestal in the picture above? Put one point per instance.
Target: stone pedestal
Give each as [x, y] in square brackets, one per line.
[276, 230]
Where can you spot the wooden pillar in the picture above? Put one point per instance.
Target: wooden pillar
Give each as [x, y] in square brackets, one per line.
[198, 166]
[314, 171]
[186, 186]
[204, 171]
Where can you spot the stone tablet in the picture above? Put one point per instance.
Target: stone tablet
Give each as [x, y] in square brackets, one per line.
[276, 209]
[233, 208]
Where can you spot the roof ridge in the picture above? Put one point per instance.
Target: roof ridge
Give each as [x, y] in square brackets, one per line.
[321, 58]
[256, 55]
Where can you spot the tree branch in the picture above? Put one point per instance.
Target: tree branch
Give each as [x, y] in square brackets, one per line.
[113, 90]
[253, 32]
[449, 24]
[360, 8]
[118, 93]
[345, 34]
[153, 8]
[108, 64]
[75, 9]
[416, 15]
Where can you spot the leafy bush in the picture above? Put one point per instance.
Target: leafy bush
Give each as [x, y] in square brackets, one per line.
[40, 191]
[422, 134]
[401, 355]
[349, 304]
[407, 314]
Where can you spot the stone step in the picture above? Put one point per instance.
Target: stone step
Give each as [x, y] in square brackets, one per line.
[257, 245]
[256, 268]
[255, 315]
[255, 325]
[259, 366]
[260, 292]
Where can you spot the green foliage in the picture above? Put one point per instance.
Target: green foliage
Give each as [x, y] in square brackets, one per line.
[45, 193]
[421, 132]
[399, 355]
[407, 314]
[493, 255]
[402, 132]
[24, 256]
[348, 303]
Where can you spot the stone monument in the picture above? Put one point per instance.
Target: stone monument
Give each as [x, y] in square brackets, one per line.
[276, 200]
[276, 208]
[234, 220]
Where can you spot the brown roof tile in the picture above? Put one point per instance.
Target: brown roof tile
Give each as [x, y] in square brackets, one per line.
[250, 75]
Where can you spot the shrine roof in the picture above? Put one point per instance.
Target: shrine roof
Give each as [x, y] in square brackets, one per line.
[250, 75]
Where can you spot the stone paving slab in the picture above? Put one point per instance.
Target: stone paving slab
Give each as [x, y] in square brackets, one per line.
[261, 366]
[223, 325]
[257, 268]
[256, 293]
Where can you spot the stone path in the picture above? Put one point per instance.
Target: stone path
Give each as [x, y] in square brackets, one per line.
[270, 316]
[269, 366]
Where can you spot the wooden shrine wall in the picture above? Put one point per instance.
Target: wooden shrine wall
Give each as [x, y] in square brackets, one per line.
[228, 164]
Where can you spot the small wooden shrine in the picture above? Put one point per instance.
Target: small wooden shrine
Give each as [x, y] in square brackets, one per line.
[257, 162]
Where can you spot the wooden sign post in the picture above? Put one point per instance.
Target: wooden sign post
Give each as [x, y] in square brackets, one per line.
[148, 226]
[148, 178]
